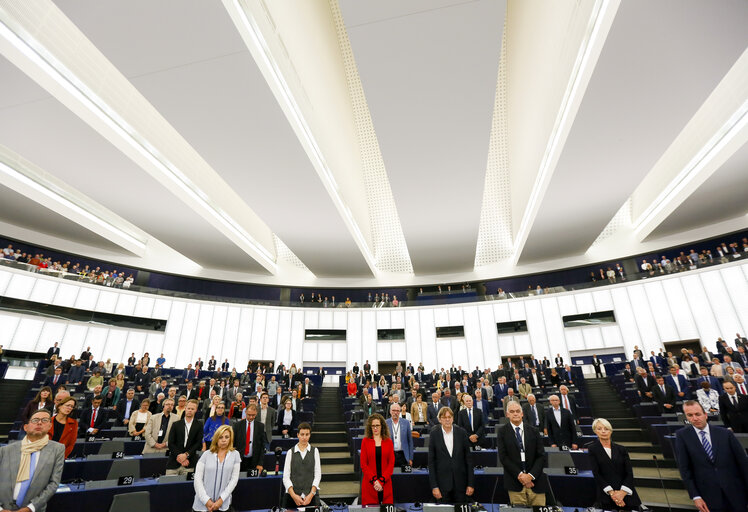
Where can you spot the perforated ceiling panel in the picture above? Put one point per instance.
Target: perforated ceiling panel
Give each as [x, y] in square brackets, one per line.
[495, 230]
[621, 219]
[284, 254]
[390, 249]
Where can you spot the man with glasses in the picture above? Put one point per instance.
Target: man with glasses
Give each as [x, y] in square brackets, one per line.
[401, 436]
[32, 468]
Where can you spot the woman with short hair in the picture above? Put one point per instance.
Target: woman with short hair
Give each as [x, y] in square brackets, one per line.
[611, 467]
[139, 419]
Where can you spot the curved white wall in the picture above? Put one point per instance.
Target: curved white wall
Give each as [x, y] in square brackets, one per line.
[702, 304]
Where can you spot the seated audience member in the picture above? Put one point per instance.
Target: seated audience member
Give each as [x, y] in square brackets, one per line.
[400, 433]
[628, 376]
[708, 398]
[559, 425]
[611, 467]
[510, 397]
[64, 427]
[716, 369]
[32, 468]
[92, 418]
[249, 435]
[75, 375]
[111, 394]
[42, 400]
[55, 380]
[302, 472]
[95, 380]
[185, 439]
[663, 395]
[139, 419]
[644, 384]
[217, 473]
[451, 471]
[377, 463]
[524, 388]
[521, 453]
[217, 419]
[352, 388]
[126, 406]
[158, 427]
[733, 409]
[472, 421]
[287, 420]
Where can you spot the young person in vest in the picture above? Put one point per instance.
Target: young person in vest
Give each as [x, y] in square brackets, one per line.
[302, 472]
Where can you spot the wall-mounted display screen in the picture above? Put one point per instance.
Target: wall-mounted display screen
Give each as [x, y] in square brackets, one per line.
[324, 334]
[511, 327]
[390, 334]
[453, 331]
[587, 319]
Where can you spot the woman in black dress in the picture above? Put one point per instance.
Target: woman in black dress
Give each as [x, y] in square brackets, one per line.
[611, 467]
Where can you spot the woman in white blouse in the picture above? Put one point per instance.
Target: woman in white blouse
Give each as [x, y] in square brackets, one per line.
[708, 398]
[139, 419]
[217, 472]
[286, 420]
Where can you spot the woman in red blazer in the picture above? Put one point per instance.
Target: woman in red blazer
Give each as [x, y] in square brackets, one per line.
[64, 428]
[377, 462]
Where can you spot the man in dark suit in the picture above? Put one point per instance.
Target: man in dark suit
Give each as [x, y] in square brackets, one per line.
[628, 375]
[521, 453]
[705, 377]
[559, 360]
[448, 400]
[54, 350]
[500, 390]
[568, 402]
[185, 439]
[471, 419]
[534, 413]
[307, 388]
[132, 360]
[93, 418]
[225, 366]
[679, 383]
[450, 471]
[664, 395]
[249, 428]
[712, 463]
[212, 364]
[597, 363]
[56, 380]
[432, 413]
[127, 405]
[86, 354]
[559, 425]
[267, 416]
[637, 363]
[733, 408]
[644, 384]
[142, 380]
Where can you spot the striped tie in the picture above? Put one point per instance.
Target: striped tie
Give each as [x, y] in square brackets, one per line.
[707, 446]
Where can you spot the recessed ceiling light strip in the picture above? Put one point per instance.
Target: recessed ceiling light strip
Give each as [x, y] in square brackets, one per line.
[599, 16]
[297, 119]
[47, 62]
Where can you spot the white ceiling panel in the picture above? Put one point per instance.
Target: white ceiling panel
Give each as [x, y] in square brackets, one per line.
[52, 137]
[191, 64]
[660, 62]
[429, 74]
[723, 196]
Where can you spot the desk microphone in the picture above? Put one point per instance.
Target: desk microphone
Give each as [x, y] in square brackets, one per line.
[278, 453]
[659, 474]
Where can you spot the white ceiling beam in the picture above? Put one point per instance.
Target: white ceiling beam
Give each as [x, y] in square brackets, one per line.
[601, 19]
[41, 41]
[716, 131]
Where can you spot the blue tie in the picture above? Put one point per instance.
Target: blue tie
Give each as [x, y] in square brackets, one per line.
[25, 484]
[470, 417]
[519, 438]
[707, 445]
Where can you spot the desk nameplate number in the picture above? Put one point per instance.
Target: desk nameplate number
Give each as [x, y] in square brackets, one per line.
[118, 455]
[387, 508]
[407, 469]
[254, 472]
[125, 480]
[571, 470]
[462, 507]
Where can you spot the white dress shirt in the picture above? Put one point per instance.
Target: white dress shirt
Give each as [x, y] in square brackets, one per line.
[449, 439]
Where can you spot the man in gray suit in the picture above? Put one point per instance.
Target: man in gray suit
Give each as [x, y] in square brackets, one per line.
[266, 415]
[35, 463]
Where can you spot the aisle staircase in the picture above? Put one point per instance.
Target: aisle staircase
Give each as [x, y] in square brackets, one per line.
[339, 480]
[649, 477]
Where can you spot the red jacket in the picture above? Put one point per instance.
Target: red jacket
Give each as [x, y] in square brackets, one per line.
[69, 434]
[369, 471]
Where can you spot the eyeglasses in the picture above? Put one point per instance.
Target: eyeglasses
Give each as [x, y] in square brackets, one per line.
[43, 421]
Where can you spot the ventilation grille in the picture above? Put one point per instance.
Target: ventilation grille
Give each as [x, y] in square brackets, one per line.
[495, 229]
[285, 255]
[622, 219]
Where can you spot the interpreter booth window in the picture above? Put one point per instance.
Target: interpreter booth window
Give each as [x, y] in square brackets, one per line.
[390, 334]
[587, 319]
[324, 335]
[453, 331]
[511, 327]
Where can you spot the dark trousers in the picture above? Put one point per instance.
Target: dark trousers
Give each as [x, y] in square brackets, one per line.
[598, 372]
[400, 459]
[246, 464]
[453, 496]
